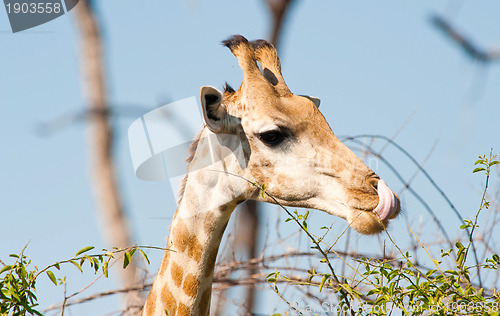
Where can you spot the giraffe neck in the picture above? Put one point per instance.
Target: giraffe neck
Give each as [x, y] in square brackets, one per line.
[184, 281]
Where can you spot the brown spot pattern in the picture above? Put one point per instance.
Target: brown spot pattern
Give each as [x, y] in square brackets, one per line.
[191, 285]
[182, 310]
[209, 223]
[181, 236]
[176, 273]
[150, 306]
[169, 300]
[164, 263]
[195, 249]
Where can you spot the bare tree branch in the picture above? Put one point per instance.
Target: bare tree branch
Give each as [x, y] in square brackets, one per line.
[470, 48]
[248, 237]
[71, 118]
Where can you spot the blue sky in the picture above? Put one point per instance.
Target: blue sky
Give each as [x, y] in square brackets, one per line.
[374, 64]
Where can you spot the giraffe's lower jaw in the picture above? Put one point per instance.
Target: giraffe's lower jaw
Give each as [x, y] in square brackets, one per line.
[388, 204]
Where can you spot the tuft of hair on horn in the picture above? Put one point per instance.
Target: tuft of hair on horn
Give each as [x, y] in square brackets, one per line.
[243, 50]
[267, 55]
[240, 47]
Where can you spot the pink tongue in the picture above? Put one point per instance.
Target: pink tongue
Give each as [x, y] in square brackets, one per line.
[386, 201]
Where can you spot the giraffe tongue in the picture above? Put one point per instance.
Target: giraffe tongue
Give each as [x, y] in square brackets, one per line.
[387, 203]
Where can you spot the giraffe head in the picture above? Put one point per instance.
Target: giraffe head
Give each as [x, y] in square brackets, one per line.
[288, 146]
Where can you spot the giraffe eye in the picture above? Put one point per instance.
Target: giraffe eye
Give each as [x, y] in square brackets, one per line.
[272, 138]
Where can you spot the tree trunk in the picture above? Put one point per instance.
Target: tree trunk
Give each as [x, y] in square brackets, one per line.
[113, 220]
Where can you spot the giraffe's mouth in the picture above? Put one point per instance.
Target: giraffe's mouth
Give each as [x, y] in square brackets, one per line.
[388, 202]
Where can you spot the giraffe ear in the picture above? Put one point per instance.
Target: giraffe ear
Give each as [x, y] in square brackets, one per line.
[315, 100]
[213, 111]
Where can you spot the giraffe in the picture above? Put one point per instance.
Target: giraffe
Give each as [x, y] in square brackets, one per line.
[261, 136]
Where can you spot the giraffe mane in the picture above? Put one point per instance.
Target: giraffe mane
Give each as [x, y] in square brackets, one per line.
[191, 151]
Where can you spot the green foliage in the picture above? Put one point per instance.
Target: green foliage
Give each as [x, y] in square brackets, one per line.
[18, 280]
[377, 287]
[400, 285]
[17, 287]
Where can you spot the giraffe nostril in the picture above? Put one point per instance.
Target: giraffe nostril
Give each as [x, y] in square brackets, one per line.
[372, 182]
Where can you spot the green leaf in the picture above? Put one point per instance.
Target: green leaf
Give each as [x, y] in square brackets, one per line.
[84, 250]
[132, 251]
[126, 259]
[13, 293]
[5, 269]
[89, 259]
[323, 280]
[270, 275]
[76, 265]
[96, 264]
[105, 268]
[306, 215]
[52, 277]
[494, 162]
[478, 169]
[145, 256]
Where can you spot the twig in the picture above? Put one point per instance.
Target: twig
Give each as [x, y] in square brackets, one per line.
[143, 287]
[445, 197]
[410, 189]
[63, 305]
[483, 204]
